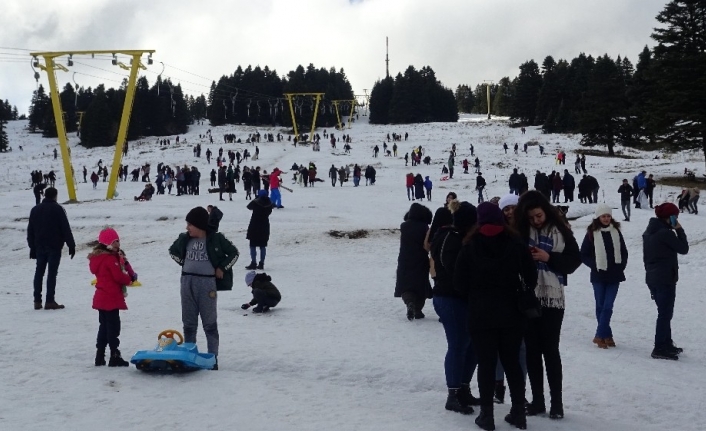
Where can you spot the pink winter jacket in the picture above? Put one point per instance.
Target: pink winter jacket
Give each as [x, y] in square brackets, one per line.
[110, 278]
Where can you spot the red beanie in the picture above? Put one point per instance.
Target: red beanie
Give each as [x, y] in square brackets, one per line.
[666, 210]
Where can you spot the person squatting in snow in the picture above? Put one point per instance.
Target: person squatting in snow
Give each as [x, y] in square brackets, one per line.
[207, 258]
[265, 293]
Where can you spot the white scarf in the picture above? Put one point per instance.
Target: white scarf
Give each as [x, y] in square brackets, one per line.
[550, 284]
[599, 246]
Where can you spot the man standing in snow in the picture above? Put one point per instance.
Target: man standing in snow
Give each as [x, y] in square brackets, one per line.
[47, 231]
[663, 239]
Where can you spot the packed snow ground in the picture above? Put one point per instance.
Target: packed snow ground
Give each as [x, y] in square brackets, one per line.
[338, 352]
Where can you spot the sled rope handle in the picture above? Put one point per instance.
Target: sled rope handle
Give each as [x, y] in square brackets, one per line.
[170, 333]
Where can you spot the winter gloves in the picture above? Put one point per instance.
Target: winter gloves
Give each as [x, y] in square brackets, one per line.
[134, 277]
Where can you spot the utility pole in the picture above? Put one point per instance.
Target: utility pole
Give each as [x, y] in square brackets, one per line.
[487, 87]
[387, 58]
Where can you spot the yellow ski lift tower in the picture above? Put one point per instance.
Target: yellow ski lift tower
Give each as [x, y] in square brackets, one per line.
[50, 66]
[338, 117]
[290, 96]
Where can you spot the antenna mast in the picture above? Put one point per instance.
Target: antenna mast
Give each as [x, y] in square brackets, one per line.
[387, 58]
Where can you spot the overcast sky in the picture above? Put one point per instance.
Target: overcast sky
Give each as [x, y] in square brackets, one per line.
[464, 41]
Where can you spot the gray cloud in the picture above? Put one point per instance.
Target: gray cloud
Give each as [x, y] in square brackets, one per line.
[464, 41]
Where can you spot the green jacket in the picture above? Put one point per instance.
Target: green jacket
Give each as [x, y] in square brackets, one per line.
[221, 252]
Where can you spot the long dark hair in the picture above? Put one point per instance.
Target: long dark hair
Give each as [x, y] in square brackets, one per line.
[533, 199]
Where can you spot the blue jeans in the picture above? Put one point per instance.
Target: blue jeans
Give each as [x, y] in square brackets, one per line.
[460, 362]
[51, 257]
[253, 253]
[664, 296]
[356, 181]
[276, 197]
[605, 294]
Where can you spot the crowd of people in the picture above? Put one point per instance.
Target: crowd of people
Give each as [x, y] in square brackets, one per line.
[481, 260]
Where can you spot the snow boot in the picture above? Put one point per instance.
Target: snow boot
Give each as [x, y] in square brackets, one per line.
[410, 311]
[499, 392]
[53, 306]
[517, 417]
[37, 305]
[535, 408]
[466, 397]
[659, 353]
[601, 344]
[261, 265]
[252, 265]
[676, 349]
[485, 419]
[557, 406]
[419, 315]
[100, 357]
[610, 342]
[454, 403]
[116, 360]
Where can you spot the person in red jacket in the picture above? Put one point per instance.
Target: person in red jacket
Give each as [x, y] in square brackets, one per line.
[109, 267]
[409, 182]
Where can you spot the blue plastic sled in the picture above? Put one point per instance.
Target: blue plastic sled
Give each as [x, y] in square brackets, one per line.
[173, 355]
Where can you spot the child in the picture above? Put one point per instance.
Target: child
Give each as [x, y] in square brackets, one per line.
[207, 258]
[265, 294]
[108, 266]
[427, 187]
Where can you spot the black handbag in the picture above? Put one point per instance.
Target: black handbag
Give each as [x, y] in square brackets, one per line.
[527, 301]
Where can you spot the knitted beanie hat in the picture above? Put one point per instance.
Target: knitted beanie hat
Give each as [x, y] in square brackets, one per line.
[249, 277]
[603, 209]
[198, 217]
[489, 214]
[107, 236]
[666, 210]
[508, 200]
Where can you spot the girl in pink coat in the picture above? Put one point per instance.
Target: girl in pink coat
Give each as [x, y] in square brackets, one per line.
[111, 270]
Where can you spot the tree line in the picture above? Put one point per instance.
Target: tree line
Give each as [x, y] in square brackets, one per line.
[413, 97]
[251, 96]
[656, 103]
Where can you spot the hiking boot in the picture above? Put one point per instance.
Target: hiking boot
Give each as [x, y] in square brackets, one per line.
[410, 311]
[499, 392]
[596, 340]
[252, 265]
[466, 397]
[610, 342]
[261, 265]
[535, 408]
[601, 344]
[454, 403]
[485, 419]
[517, 417]
[116, 360]
[37, 305]
[419, 315]
[676, 349]
[53, 306]
[665, 354]
[100, 357]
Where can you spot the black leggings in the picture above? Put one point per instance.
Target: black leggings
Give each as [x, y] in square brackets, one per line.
[542, 340]
[503, 343]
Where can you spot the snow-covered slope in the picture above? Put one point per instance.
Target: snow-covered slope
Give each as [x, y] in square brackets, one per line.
[338, 353]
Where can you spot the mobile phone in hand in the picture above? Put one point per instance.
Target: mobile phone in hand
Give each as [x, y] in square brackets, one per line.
[673, 221]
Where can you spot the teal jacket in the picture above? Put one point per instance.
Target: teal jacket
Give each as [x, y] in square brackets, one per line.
[221, 252]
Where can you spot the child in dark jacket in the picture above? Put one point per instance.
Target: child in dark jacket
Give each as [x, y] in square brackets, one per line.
[107, 264]
[207, 258]
[265, 294]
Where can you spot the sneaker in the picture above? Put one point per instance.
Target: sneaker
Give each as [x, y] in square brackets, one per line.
[665, 354]
[37, 305]
[53, 306]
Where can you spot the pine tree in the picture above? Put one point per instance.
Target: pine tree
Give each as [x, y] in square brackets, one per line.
[4, 141]
[464, 98]
[527, 87]
[678, 108]
[98, 128]
[39, 109]
[380, 98]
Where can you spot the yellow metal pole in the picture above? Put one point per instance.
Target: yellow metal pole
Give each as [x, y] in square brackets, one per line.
[124, 121]
[60, 129]
[350, 118]
[338, 117]
[488, 95]
[316, 111]
[291, 110]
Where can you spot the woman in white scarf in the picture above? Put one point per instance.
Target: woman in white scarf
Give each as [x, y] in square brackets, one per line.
[604, 251]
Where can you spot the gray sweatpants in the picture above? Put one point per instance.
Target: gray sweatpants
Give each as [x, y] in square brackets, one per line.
[198, 296]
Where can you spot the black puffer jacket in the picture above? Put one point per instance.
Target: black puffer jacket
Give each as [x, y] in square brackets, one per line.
[488, 271]
[444, 250]
[259, 227]
[660, 246]
[413, 259]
